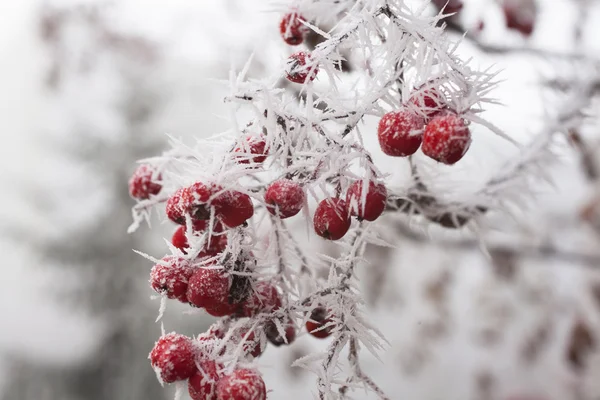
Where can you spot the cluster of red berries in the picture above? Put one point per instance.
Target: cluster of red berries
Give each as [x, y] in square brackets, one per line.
[293, 31]
[176, 358]
[442, 134]
[332, 217]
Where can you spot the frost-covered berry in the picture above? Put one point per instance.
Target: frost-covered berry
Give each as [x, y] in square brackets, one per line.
[374, 200]
[253, 148]
[427, 103]
[196, 200]
[216, 244]
[400, 133]
[209, 288]
[203, 384]
[144, 182]
[316, 325]
[332, 219]
[446, 138]
[292, 29]
[233, 208]
[209, 340]
[173, 358]
[171, 276]
[265, 298]
[297, 69]
[175, 209]
[275, 337]
[284, 198]
[242, 384]
[251, 344]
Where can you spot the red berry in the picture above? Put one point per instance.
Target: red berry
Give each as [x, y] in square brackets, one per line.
[284, 198]
[251, 343]
[209, 339]
[173, 357]
[233, 208]
[214, 332]
[292, 29]
[203, 384]
[446, 138]
[374, 200]
[298, 70]
[242, 384]
[222, 310]
[316, 324]
[179, 240]
[252, 145]
[175, 208]
[400, 133]
[209, 288]
[520, 15]
[332, 219]
[427, 102]
[217, 244]
[199, 225]
[144, 182]
[171, 276]
[196, 200]
[265, 298]
[275, 337]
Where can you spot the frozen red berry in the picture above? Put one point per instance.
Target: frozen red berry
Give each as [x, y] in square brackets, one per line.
[317, 324]
[212, 246]
[292, 29]
[427, 103]
[209, 288]
[265, 298]
[299, 68]
[233, 208]
[197, 199]
[242, 384]
[209, 341]
[368, 205]
[179, 240]
[332, 219]
[144, 182]
[400, 133]
[173, 358]
[251, 344]
[203, 384]
[276, 338]
[284, 198]
[252, 149]
[175, 209]
[171, 276]
[214, 332]
[446, 138]
[222, 309]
